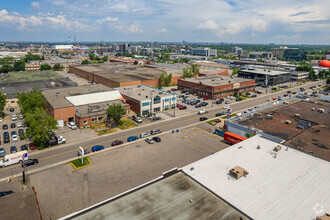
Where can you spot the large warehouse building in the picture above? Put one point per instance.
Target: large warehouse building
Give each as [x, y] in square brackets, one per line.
[83, 105]
[214, 87]
[118, 75]
[266, 77]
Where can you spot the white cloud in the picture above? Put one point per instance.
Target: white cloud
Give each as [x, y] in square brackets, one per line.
[209, 24]
[163, 30]
[119, 7]
[107, 19]
[35, 4]
[135, 29]
[287, 37]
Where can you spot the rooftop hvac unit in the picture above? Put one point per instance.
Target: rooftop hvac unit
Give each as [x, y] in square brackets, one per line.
[238, 172]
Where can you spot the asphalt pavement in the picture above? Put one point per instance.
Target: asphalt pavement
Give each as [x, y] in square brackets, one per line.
[61, 154]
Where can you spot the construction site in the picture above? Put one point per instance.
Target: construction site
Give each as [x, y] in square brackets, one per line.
[303, 125]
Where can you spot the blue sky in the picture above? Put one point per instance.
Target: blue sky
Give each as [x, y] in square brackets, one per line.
[235, 21]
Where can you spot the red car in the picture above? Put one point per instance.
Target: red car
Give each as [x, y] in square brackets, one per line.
[116, 142]
[274, 98]
[205, 98]
[180, 106]
[32, 146]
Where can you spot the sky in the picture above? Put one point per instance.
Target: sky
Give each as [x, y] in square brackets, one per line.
[229, 21]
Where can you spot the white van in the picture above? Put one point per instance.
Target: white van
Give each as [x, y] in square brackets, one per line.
[14, 158]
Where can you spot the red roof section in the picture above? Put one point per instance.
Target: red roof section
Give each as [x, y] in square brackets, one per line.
[236, 136]
[324, 63]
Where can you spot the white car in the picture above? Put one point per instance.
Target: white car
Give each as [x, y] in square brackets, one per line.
[14, 117]
[143, 135]
[19, 124]
[226, 106]
[0, 120]
[72, 125]
[149, 140]
[14, 137]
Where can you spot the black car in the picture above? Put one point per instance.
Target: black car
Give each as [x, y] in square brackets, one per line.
[157, 139]
[219, 114]
[12, 125]
[222, 99]
[6, 137]
[285, 95]
[289, 91]
[253, 96]
[183, 107]
[294, 92]
[2, 152]
[198, 106]
[155, 118]
[20, 132]
[13, 149]
[116, 142]
[4, 127]
[237, 100]
[30, 162]
[11, 109]
[203, 118]
[5, 193]
[24, 147]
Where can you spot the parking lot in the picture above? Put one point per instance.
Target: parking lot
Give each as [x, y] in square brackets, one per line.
[121, 168]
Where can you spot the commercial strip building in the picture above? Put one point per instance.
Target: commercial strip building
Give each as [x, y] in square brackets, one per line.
[118, 74]
[83, 105]
[265, 77]
[214, 87]
[144, 99]
[296, 76]
[254, 179]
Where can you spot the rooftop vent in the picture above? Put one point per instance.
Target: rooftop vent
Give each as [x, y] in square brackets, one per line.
[229, 81]
[146, 96]
[139, 94]
[238, 172]
[277, 148]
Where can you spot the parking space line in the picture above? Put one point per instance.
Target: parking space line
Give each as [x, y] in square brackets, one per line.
[214, 146]
[199, 146]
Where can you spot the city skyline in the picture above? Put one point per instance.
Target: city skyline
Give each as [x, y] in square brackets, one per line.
[230, 21]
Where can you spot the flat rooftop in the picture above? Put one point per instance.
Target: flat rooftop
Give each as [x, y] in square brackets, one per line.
[57, 97]
[143, 92]
[217, 80]
[174, 197]
[176, 69]
[266, 72]
[287, 185]
[119, 72]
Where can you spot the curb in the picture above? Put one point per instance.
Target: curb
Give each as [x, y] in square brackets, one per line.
[77, 168]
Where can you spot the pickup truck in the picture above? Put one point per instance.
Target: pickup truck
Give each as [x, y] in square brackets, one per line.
[202, 111]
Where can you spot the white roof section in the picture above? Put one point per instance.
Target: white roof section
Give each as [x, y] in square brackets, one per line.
[63, 47]
[294, 185]
[94, 98]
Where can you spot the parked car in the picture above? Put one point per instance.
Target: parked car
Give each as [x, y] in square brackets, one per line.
[116, 143]
[11, 109]
[14, 136]
[29, 162]
[2, 152]
[227, 102]
[86, 151]
[13, 149]
[254, 95]
[205, 98]
[14, 117]
[285, 95]
[155, 131]
[6, 137]
[97, 148]
[0, 120]
[289, 91]
[12, 125]
[137, 119]
[145, 134]
[72, 125]
[19, 124]
[21, 117]
[24, 147]
[5, 193]
[226, 106]
[156, 118]
[179, 106]
[203, 118]
[149, 140]
[183, 107]
[132, 138]
[5, 127]
[157, 139]
[32, 146]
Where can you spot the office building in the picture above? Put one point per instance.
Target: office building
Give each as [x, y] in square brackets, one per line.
[265, 77]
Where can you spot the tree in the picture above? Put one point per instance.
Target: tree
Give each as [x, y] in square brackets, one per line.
[162, 79]
[6, 68]
[85, 62]
[45, 67]
[31, 56]
[57, 67]
[328, 81]
[186, 73]
[3, 100]
[235, 71]
[168, 79]
[19, 65]
[194, 69]
[248, 135]
[115, 112]
[6, 60]
[105, 58]
[30, 101]
[40, 126]
[91, 56]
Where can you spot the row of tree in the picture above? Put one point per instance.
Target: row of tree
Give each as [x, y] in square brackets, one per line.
[323, 74]
[95, 59]
[191, 71]
[165, 79]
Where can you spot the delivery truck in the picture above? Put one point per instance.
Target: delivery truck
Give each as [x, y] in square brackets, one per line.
[14, 158]
[233, 138]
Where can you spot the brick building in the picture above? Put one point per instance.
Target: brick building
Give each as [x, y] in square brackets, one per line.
[83, 105]
[118, 74]
[214, 87]
[144, 99]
